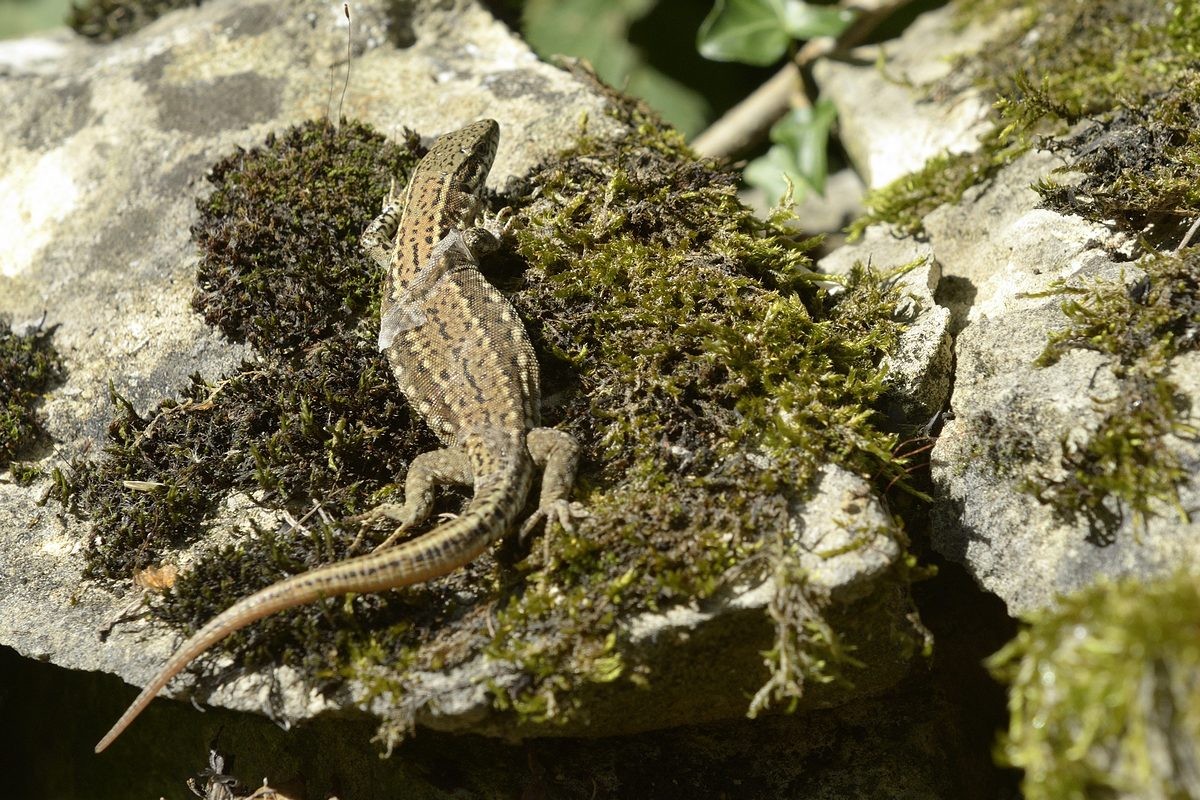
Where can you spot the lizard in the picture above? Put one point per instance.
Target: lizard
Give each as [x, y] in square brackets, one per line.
[464, 361]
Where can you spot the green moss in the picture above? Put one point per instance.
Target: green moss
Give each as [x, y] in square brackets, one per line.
[1129, 68]
[1141, 165]
[1105, 692]
[29, 366]
[105, 20]
[682, 340]
[1114, 86]
[693, 336]
[905, 202]
[1126, 465]
[25, 474]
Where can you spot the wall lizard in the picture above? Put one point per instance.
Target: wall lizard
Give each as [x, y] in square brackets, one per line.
[463, 359]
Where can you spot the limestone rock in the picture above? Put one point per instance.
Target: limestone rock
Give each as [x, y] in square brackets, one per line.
[106, 148]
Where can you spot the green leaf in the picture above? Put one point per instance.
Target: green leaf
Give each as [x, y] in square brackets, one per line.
[599, 30]
[804, 21]
[770, 173]
[750, 31]
[799, 154]
[759, 31]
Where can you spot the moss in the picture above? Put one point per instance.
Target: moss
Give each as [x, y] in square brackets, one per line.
[688, 335]
[280, 235]
[25, 474]
[1105, 692]
[320, 424]
[1141, 166]
[1129, 68]
[905, 202]
[29, 366]
[1114, 87]
[682, 340]
[105, 20]
[1125, 466]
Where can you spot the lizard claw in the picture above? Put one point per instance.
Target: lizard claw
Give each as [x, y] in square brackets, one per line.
[393, 511]
[501, 224]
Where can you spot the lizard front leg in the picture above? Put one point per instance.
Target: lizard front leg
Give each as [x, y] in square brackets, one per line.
[380, 235]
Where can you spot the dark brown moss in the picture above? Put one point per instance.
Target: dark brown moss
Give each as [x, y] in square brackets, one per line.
[282, 267]
[29, 366]
[105, 20]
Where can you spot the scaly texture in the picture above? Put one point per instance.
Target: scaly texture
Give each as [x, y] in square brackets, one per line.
[463, 359]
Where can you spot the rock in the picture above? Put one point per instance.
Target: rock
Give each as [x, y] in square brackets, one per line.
[1003, 260]
[103, 188]
[887, 128]
[106, 149]
[1013, 420]
[706, 659]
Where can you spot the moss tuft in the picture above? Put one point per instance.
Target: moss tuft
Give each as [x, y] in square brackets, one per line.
[280, 234]
[1105, 692]
[905, 202]
[1126, 464]
[29, 366]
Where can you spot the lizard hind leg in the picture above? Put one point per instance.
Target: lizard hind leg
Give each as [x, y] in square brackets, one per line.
[557, 453]
[448, 466]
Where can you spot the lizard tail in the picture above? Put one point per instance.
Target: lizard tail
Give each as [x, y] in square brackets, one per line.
[497, 499]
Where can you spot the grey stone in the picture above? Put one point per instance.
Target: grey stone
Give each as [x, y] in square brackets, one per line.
[105, 149]
[886, 124]
[100, 197]
[1000, 257]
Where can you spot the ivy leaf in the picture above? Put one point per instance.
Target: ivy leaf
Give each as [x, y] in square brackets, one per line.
[806, 21]
[799, 152]
[759, 31]
[750, 31]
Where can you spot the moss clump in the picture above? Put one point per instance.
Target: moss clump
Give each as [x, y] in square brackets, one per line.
[105, 20]
[1141, 166]
[694, 337]
[1126, 463]
[1131, 69]
[1105, 693]
[905, 202]
[280, 235]
[322, 424]
[29, 366]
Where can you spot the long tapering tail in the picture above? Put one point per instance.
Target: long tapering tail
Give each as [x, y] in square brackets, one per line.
[441, 550]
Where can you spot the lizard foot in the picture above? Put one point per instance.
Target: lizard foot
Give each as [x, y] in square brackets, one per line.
[561, 511]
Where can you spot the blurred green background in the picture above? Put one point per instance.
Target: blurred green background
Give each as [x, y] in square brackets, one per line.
[19, 17]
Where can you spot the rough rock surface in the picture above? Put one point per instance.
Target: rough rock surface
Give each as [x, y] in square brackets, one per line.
[890, 129]
[708, 659]
[1013, 419]
[995, 250]
[105, 149]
